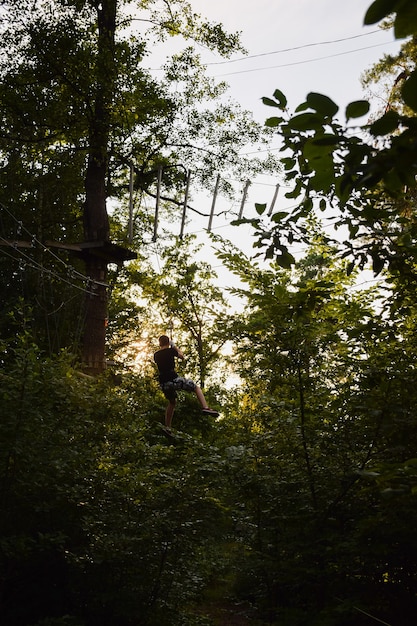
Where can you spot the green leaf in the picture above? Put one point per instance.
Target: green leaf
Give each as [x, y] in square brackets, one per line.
[302, 107]
[393, 181]
[272, 122]
[377, 263]
[350, 268]
[305, 121]
[270, 103]
[314, 150]
[353, 230]
[327, 139]
[288, 163]
[405, 22]
[322, 104]
[409, 91]
[281, 98]
[291, 175]
[378, 10]
[323, 179]
[269, 252]
[295, 192]
[358, 108]
[385, 124]
[279, 216]
[260, 208]
[406, 19]
[285, 260]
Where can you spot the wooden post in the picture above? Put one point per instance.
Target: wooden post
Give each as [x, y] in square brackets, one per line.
[274, 199]
[130, 232]
[213, 204]
[245, 194]
[158, 196]
[184, 208]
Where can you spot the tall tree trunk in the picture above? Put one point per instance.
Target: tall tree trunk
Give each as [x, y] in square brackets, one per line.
[96, 222]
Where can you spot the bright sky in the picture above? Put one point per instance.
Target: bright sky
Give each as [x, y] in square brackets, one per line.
[269, 27]
[296, 46]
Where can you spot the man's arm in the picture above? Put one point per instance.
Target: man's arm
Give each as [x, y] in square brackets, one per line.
[179, 353]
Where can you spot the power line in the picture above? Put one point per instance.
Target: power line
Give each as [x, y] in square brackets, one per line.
[307, 45]
[330, 56]
[294, 49]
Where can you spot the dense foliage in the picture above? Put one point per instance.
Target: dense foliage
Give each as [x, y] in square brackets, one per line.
[299, 502]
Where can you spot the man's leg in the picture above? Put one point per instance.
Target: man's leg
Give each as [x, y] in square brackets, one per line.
[186, 384]
[202, 401]
[200, 396]
[169, 412]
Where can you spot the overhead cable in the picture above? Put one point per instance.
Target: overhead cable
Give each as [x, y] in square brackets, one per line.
[330, 56]
[307, 45]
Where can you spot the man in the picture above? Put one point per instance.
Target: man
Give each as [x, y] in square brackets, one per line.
[170, 382]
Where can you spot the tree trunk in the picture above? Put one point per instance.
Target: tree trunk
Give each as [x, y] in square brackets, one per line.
[94, 340]
[96, 222]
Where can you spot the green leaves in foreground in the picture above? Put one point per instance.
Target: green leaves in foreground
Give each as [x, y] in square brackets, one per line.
[405, 24]
[358, 108]
[279, 101]
[409, 91]
[405, 21]
[322, 104]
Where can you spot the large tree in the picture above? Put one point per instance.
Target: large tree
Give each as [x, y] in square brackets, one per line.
[80, 109]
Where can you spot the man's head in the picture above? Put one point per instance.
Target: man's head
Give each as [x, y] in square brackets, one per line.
[163, 341]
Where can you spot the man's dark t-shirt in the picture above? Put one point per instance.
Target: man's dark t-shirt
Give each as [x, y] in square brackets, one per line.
[165, 360]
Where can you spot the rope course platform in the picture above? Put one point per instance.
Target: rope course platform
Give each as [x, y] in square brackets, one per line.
[110, 252]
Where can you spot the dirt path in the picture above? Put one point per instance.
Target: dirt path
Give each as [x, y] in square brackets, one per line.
[228, 613]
